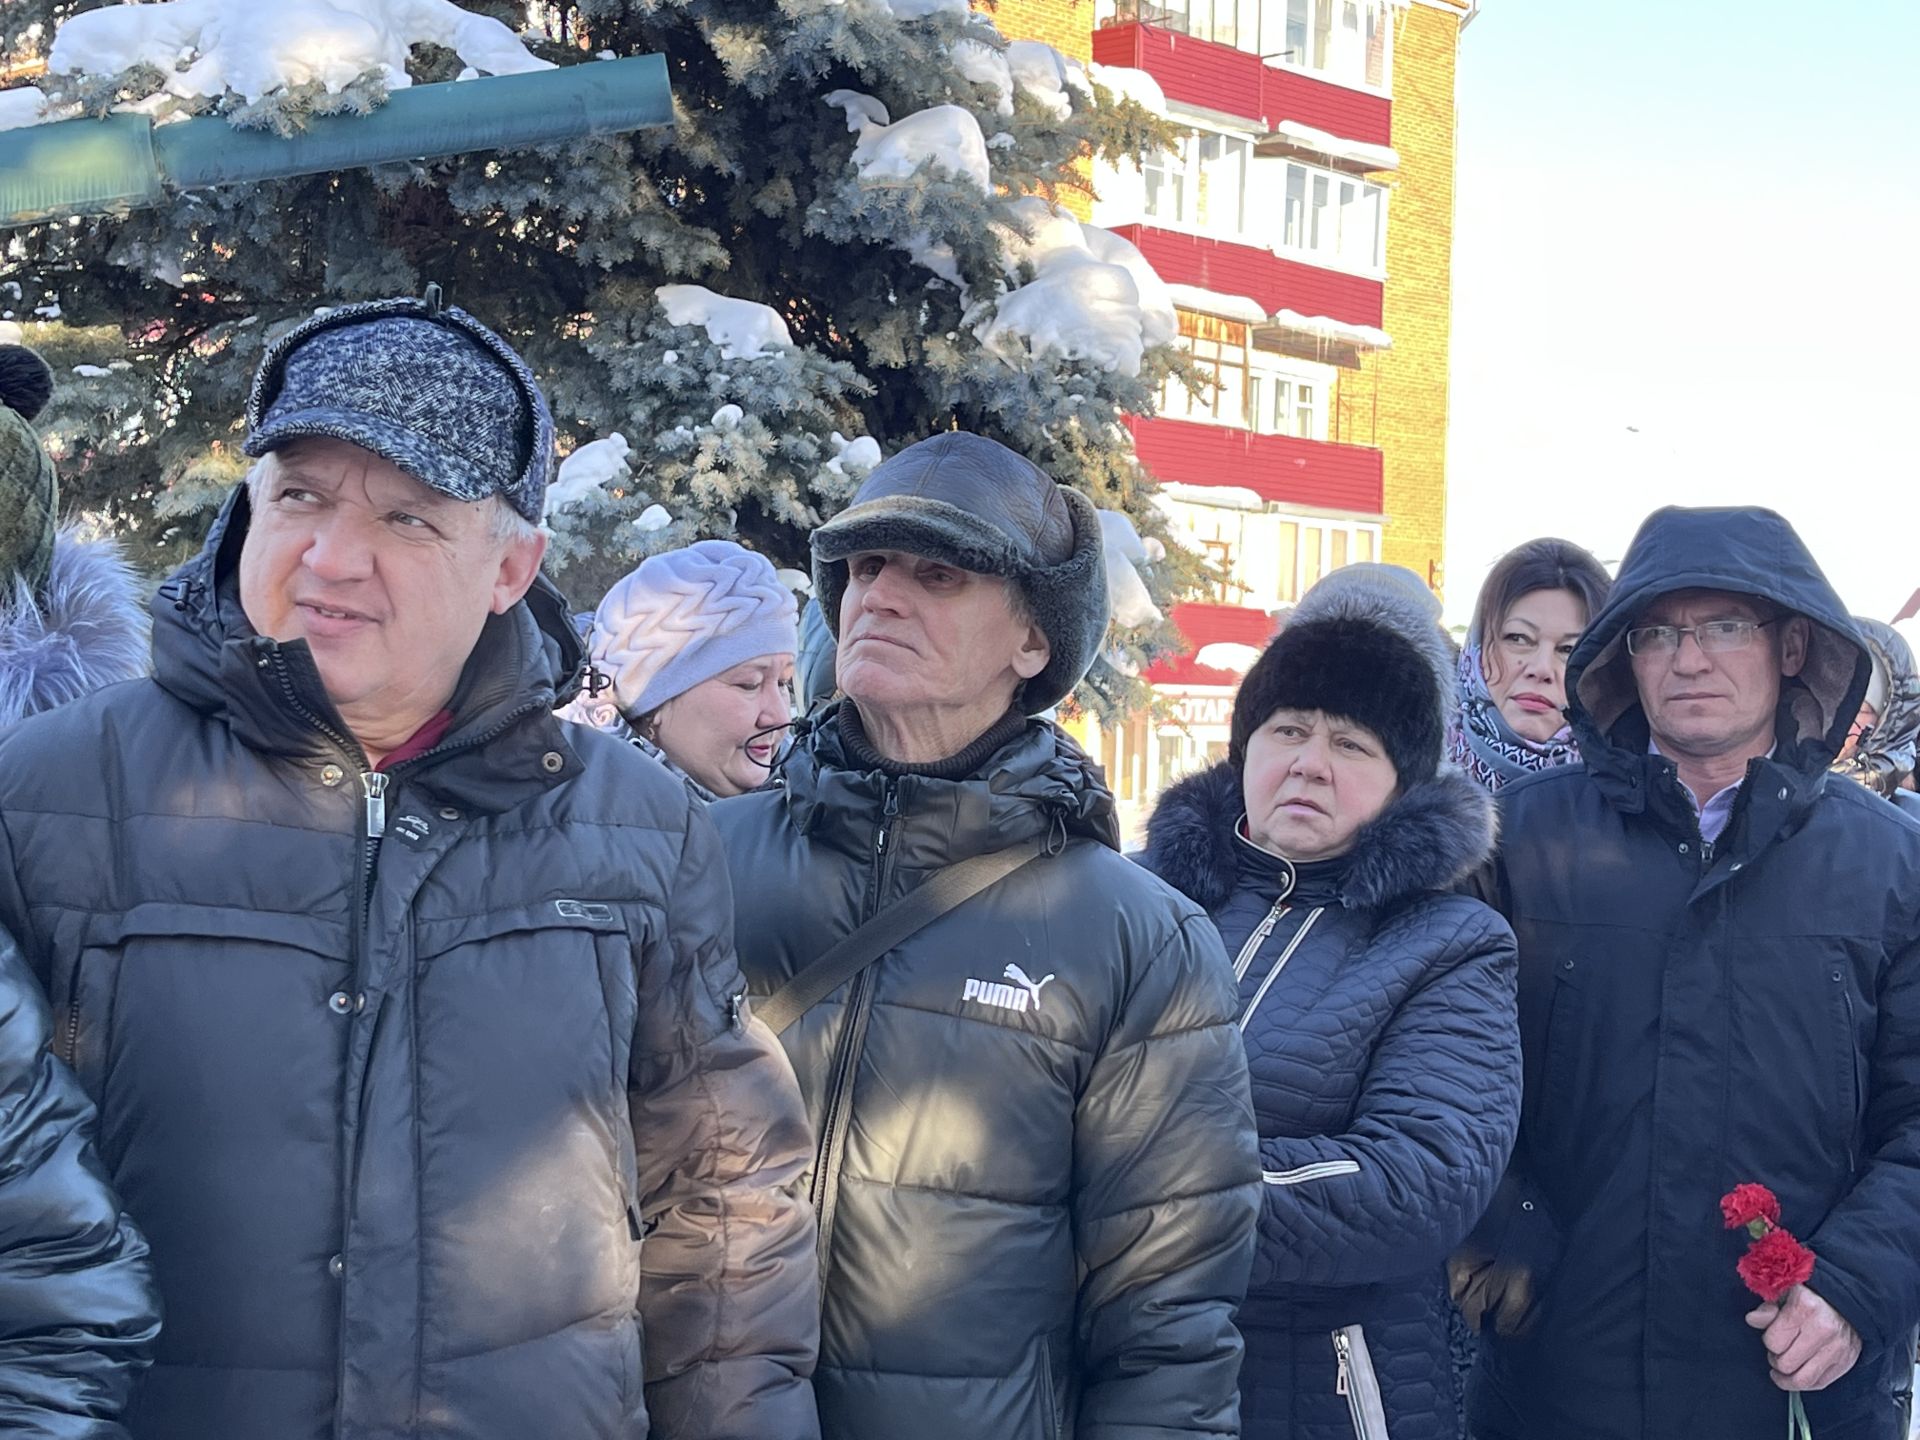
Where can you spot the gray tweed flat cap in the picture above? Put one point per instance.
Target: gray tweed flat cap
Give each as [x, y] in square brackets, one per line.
[430, 390]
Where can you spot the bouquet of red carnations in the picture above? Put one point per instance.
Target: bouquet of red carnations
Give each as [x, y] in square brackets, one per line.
[1775, 1262]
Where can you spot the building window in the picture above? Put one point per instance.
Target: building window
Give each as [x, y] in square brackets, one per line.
[1219, 348]
[1346, 41]
[1285, 398]
[1334, 219]
[1324, 546]
[1202, 184]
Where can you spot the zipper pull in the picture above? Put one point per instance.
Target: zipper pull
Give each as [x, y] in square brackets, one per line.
[375, 784]
[1340, 1377]
[888, 814]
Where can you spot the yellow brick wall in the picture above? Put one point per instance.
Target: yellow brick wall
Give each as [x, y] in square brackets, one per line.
[1412, 377]
[1067, 25]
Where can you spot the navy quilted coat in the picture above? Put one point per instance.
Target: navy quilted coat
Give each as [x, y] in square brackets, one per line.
[395, 1111]
[1696, 1016]
[1378, 1015]
[1035, 1219]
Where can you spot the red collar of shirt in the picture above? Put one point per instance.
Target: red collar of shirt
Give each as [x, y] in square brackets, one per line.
[421, 741]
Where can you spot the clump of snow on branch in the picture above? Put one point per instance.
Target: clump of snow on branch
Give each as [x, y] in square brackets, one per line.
[1123, 549]
[922, 9]
[1130, 84]
[1045, 74]
[861, 110]
[981, 63]
[859, 455]
[588, 471]
[22, 106]
[743, 329]
[945, 138]
[1092, 295]
[207, 48]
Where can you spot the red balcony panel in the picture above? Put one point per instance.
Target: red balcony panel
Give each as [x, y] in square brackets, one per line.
[1277, 284]
[1190, 71]
[1337, 109]
[1233, 82]
[1204, 625]
[1281, 468]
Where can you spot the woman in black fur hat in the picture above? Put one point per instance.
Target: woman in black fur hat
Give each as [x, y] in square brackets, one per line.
[1377, 1007]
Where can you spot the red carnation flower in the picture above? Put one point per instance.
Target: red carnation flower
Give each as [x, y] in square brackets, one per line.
[1774, 1264]
[1745, 1204]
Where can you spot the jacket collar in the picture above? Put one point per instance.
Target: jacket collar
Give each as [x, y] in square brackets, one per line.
[269, 694]
[1037, 786]
[1430, 836]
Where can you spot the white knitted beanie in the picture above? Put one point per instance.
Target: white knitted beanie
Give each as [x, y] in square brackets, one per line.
[682, 618]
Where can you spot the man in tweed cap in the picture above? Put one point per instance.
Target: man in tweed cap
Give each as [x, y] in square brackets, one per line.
[409, 1009]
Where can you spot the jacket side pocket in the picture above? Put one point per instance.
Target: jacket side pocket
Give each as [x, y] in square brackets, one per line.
[1358, 1383]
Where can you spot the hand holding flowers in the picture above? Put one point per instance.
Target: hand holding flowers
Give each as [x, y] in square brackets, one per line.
[1809, 1344]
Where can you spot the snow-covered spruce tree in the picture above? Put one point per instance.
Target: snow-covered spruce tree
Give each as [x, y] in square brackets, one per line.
[870, 178]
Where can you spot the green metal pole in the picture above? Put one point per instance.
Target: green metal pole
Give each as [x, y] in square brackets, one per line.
[121, 163]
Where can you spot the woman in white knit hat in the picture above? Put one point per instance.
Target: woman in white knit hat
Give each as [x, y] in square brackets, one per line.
[692, 660]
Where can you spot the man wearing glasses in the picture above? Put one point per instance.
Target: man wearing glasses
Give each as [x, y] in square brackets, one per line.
[1720, 982]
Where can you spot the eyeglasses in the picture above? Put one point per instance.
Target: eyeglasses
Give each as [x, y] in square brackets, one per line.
[1715, 636]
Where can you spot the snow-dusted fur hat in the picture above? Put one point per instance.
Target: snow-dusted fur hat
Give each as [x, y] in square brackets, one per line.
[969, 501]
[85, 627]
[681, 618]
[1365, 648]
[29, 492]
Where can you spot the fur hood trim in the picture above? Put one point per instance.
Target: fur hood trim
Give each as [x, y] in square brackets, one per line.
[1434, 834]
[86, 629]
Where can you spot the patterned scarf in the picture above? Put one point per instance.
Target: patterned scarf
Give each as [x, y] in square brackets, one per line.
[1481, 743]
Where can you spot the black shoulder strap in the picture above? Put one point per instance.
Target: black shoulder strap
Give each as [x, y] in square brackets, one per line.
[912, 912]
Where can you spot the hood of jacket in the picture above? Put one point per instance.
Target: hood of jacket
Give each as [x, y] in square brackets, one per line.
[1430, 836]
[84, 629]
[1040, 785]
[526, 663]
[1748, 551]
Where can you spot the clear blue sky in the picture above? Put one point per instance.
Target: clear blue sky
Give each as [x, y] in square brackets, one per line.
[1698, 219]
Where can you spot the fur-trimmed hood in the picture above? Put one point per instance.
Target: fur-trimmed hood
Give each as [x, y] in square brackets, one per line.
[1434, 833]
[85, 629]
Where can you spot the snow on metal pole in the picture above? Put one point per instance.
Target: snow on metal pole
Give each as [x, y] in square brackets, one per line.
[122, 162]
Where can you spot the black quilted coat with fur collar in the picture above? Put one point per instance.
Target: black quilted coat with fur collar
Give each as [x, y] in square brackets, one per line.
[1379, 1019]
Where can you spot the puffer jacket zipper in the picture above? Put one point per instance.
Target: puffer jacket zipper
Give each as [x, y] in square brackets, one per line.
[1257, 939]
[1355, 1379]
[1293, 944]
[853, 1039]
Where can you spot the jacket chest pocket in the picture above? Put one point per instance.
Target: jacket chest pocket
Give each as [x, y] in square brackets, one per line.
[526, 1016]
[199, 1006]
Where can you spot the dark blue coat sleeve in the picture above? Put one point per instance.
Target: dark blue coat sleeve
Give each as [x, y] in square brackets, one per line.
[1390, 1196]
[78, 1312]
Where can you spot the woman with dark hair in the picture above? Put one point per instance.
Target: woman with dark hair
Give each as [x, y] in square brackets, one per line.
[1376, 1006]
[1512, 719]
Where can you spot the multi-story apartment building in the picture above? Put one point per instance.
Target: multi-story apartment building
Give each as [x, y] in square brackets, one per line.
[1306, 228]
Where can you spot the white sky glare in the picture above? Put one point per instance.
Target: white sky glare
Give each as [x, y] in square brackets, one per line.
[1684, 273]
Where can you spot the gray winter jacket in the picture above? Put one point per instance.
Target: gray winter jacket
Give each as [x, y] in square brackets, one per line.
[1037, 1172]
[396, 1109]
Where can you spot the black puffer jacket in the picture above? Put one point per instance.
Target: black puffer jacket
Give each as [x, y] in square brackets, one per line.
[1696, 1016]
[1035, 1219]
[394, 1115]
[1381, 1034]
[78, 1311]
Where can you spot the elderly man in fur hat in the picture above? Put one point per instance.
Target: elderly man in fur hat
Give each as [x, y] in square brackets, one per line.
[409, 1009]
[1035, 1167]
